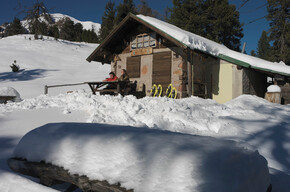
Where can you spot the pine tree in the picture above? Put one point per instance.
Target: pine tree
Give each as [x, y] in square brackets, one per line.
[107, 20]
[187, 14]
[15, 28]
[264, 48]
[67, 30]
[213, 19]
[253, 53]
[144, 9]
[279, 16]
[78, 29]
[53, 31]
[123, 9]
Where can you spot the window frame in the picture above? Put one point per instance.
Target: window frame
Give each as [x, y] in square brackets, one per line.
[141, 43]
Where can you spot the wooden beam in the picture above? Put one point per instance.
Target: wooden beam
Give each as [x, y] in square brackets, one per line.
[189, 72]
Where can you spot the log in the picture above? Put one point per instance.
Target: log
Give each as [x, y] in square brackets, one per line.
[273, 97]
[50, 174]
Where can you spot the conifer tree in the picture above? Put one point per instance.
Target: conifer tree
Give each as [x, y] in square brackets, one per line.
[78, 29]
[67, 30]
[53, 31]
[264, 48]
[253, 53]
[144, 9]
[15, 28]
[213, 19]
[107, 20]
[123, 9]
[279, 17]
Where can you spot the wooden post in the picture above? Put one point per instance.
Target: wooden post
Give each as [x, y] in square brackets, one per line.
[189, 74]
[45, 90]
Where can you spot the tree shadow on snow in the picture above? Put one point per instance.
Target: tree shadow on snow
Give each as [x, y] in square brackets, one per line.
[274, 134]
[23, 75]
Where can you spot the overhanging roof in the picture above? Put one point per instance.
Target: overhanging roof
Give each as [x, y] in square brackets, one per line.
[185, 40]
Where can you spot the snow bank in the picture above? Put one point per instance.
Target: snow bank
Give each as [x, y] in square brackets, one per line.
[273, 89]
[9, 91]
[146, 159]
[192, 115]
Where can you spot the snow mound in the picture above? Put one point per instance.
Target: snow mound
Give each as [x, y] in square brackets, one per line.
[147, 159]
[273, 89]
[9, 91]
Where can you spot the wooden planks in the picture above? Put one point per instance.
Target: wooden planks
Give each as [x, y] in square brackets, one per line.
[133, 66]
[161, 72]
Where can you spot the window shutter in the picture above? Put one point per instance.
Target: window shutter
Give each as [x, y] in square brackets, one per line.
[133, 66]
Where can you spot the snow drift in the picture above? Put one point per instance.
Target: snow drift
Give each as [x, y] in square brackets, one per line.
[147, 160]
[9, 91]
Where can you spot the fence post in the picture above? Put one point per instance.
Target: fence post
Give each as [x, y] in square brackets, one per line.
[45, 89]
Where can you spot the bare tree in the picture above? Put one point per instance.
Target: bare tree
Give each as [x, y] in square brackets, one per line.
[38, 17]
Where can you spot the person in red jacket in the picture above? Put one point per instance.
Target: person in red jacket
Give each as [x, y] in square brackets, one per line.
[112, 77]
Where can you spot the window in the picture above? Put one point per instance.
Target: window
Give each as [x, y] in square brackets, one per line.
[133, 66]
[143, 41]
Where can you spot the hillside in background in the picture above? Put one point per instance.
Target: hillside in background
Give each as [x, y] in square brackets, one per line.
[62, 26]
[47, 62]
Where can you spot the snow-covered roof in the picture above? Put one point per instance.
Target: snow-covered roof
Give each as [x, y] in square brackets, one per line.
[197, 42]
[184, 39]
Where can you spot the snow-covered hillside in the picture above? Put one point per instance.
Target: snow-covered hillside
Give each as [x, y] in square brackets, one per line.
[88, 25]
[249, 122]
[47, 62]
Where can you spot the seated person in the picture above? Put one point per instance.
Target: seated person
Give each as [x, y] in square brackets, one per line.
[125, 82]
[112, 77]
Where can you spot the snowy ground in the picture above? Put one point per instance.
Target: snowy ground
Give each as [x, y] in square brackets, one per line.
[248, 120]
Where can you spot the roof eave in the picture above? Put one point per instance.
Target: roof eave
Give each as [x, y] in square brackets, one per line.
[107, 39]
[247, 65]
[92, 56]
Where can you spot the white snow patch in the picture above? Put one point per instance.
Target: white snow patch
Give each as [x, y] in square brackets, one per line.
[273, 89]
[147, 160]
[9, 91]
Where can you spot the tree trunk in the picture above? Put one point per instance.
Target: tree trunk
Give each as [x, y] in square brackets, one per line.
[50, 175]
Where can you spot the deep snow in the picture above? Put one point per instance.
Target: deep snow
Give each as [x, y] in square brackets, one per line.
[147, 159]
[250, 121]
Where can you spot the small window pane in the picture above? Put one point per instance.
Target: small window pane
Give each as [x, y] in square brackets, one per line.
[146, 44]
[140, 45]
[140, 38]
[152, 43]
[133, 46]
[146, 37]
